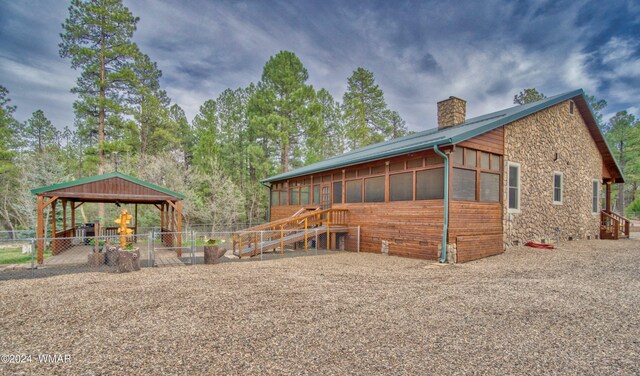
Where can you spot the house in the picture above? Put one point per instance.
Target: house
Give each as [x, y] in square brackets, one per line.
[469, 188]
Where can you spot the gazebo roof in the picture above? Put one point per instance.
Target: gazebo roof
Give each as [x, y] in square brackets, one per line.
[111, 187]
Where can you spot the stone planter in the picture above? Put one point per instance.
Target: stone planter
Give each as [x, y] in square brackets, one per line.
[212, 254]
[128, 261]
[96, 260]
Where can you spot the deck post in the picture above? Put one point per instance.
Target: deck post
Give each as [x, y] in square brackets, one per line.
[608, 197]
[281, 239]
[40, 230]
[306, 242]
[135, 226]
[261, 243]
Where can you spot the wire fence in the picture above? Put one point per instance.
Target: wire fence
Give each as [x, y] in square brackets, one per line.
[41, 257]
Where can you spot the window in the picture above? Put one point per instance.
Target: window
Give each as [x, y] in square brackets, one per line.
[354, 191]
[350, 174]
[337, 192]
[464, 184]
[430, 184]
[457, 156]
[595, 186]
[495, 162]
[364, 171]
[514, 187]
[571, 107]
[489, 187]
[275, 198]
[304, 195]
[396, 166]
[484, 160]
[414, 163]
[434, 160]
[470, 157]
[401, 187]
[294, 196]
[283, 198]
[557, 187]
[316, 194]
[377, 169]
[374, 189]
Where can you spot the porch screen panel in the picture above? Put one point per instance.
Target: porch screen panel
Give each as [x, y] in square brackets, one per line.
[401, 187]
[464, 184]
[374, 189]
[354, 191]
[430, 184]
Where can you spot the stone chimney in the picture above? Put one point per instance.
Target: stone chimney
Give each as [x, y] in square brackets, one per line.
[452, 111]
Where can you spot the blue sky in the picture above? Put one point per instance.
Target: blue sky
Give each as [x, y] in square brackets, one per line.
[420, 52]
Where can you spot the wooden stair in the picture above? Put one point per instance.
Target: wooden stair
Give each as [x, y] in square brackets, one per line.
[613, 225]
[300, 227]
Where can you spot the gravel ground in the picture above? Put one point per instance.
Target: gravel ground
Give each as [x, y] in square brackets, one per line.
[575, 310]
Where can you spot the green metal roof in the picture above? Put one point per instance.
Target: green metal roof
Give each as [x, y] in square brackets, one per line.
[95, 178]
[427, 139]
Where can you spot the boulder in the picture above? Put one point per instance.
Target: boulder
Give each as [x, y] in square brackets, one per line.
[96, 260]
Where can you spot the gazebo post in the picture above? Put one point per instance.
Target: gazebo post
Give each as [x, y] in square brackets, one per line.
[40, 230]
[135, 226]
[54, 246]
[179, 227]
[73, 218]
[64, 215]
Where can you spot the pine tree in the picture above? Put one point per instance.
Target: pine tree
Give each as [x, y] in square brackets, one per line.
[39, 133]
[364, 110]
[528, 96]
[282, 106]
[623, 136]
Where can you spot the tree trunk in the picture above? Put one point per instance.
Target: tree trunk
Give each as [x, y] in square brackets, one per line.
[284, 158]
[101, 120]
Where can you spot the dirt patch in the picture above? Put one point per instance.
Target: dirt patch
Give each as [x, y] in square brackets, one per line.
[529, 311]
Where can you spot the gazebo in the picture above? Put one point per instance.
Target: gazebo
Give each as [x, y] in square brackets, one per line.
[116, 188]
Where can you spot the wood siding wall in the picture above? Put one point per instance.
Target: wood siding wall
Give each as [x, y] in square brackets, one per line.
[411, 228]
[492, 142]
[476, 228]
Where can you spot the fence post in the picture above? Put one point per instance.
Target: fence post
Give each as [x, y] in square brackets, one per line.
[358, 239]
[317, 244]
[193, 247]
[306, 241]
[281, 239]
[261, 244]
[150, 261]
[33, 252]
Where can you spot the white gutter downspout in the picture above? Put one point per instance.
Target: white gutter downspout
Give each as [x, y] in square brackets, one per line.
[445, 226]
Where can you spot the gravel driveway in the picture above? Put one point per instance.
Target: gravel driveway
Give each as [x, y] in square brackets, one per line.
[575, 310]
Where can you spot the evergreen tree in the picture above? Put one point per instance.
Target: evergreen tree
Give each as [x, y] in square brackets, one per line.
[282, 107]
[623, 136]
[528, 96]
[597, 106]
[207, 130]
[397, 125]
[364, 110]
[97, 39]
[39, 133]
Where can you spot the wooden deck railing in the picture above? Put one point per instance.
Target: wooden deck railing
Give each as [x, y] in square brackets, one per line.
[613, 225]
[280, 229]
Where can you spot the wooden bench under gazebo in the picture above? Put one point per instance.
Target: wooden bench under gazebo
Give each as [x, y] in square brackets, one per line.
[116, 188]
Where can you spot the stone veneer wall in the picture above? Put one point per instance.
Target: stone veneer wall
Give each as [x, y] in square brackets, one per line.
[533, 142]
[452, 111]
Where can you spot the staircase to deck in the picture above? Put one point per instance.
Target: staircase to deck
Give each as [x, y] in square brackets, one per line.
[304, 225]
[613, 225]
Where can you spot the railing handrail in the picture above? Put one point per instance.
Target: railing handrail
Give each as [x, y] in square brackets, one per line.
[614, 215]
[285, 221]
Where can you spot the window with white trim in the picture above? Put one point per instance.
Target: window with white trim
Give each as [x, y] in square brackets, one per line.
[595, 198]
[557, 187]
[513, 193]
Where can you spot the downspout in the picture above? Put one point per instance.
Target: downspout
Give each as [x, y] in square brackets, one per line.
[269, 206]
[445, 226]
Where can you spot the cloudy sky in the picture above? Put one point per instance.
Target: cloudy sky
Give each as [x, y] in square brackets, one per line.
[420, 52]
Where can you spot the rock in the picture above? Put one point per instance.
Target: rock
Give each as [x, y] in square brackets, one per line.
[96, 260]
[212, 254]
[128, 261]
